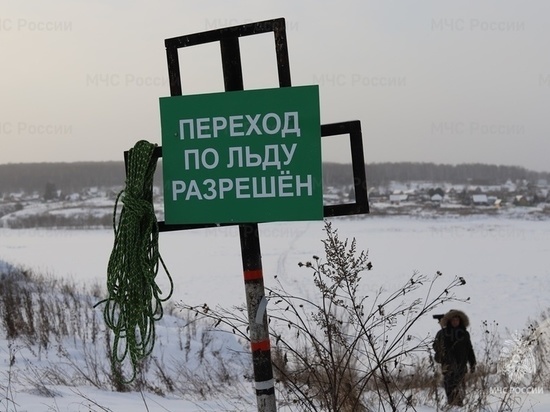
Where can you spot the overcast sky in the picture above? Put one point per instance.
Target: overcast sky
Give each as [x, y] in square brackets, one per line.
[431, 81]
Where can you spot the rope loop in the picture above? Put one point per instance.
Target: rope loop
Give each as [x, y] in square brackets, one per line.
[134, 301]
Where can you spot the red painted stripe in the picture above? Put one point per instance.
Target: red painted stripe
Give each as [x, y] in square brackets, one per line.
[253, 274]
[263, 345]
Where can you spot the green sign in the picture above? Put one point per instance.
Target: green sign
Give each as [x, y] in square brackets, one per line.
[242, 157]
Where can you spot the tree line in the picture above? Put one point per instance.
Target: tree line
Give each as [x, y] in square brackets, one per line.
[76, 176]
[380, 174]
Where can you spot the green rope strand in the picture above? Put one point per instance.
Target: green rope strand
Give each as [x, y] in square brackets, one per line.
[135, 301]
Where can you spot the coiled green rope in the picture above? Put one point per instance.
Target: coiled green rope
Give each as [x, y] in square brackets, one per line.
[134, 302]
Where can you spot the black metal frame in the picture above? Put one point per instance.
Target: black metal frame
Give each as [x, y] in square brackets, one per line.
[233, 79]
[361, 204]
[231, 57]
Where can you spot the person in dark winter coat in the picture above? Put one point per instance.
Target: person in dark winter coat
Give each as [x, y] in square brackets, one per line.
[453, 350]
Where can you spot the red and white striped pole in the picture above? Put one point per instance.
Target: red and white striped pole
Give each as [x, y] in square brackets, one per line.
[257, 317]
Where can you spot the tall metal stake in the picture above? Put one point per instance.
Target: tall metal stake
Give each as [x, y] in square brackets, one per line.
[252, 262]
[257, 317]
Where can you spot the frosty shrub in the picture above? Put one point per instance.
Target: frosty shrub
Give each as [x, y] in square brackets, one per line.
[341, 349]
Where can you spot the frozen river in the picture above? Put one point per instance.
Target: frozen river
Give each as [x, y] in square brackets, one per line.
[504, 261]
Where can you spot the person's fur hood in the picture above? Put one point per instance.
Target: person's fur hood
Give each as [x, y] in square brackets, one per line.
[464, 321]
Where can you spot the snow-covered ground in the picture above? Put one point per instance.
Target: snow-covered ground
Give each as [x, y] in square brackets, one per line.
[504, 262]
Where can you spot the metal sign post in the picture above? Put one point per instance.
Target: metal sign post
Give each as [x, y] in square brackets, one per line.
[252, 261]
[228, 39]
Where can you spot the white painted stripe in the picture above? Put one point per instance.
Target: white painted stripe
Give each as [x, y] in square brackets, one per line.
[260, 386]
[261, 310]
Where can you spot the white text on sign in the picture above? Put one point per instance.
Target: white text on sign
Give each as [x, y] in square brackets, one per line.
[240, 125]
